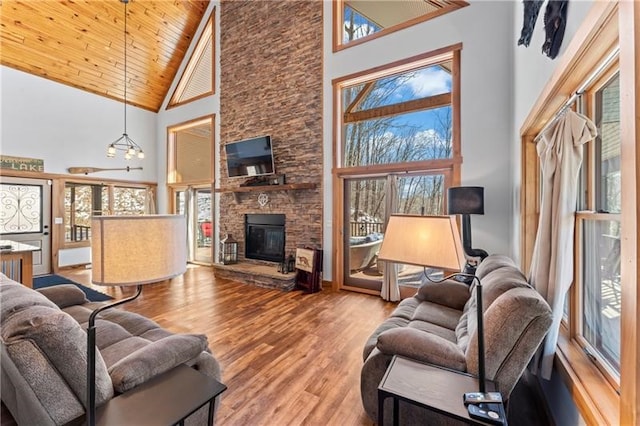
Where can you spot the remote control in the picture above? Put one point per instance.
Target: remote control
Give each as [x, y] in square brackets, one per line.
[479, 397]
[490, 413]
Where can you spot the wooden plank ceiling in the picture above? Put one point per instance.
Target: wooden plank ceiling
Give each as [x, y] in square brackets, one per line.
[81, 43]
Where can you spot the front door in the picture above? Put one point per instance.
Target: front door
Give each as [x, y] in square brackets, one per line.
[25, 216]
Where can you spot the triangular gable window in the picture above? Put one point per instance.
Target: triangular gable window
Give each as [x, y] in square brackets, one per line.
[197, 79]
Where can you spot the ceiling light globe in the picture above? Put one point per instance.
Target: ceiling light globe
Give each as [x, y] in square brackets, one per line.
[127, 156]
[111, 151]
[140, 154]
[131, 151]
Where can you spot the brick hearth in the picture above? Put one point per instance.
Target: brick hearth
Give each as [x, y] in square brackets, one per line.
[258, 275]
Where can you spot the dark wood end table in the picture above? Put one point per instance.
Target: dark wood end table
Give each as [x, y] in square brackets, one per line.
[429, 386]
[167, 399]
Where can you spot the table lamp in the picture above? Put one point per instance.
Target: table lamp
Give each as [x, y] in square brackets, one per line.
[434, 242]
[131, 251]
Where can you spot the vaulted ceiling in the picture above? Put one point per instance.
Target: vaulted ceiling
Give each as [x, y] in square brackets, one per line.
[81, 43]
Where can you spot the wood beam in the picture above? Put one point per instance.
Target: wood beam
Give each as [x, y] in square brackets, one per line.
[360, 96]
[431, 102]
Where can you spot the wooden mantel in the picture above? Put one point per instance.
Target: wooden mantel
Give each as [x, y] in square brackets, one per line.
[289, 188]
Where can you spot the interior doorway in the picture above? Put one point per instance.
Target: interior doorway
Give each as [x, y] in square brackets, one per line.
[26, 217]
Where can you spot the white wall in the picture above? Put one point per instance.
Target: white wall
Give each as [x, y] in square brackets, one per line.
[67, 127]
[485, 30]
[532, 69]
[190, 111]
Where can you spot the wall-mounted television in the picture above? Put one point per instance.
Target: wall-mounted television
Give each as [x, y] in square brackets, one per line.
[250, 157]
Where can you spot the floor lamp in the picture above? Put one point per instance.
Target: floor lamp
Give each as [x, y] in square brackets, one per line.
[465, 201]
[434, 242]
[131, 251]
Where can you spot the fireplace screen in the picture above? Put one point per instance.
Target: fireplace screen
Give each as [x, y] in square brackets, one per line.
[264, 237]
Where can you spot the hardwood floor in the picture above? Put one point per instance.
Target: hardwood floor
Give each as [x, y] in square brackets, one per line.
[287, 358]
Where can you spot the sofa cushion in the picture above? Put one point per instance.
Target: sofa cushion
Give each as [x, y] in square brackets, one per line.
[63, 345]
[449, 293]
[421, 346]
[491, 263]
[155, 358]
[64, 295]
[388, 324]
[437, 314]
[438, 330]
[15, 297]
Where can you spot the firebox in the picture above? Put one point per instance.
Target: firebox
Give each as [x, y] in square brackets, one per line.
[264, 237]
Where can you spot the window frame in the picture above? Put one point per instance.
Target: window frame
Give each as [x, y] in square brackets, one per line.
[338, 18]
[606, 24]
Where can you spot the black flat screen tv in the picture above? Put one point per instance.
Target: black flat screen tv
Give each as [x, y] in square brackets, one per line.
[250, 157]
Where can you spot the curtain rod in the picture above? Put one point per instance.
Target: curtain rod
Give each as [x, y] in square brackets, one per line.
[576, 95]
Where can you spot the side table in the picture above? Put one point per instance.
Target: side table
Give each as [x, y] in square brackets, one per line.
[167, 399]
[429, 386]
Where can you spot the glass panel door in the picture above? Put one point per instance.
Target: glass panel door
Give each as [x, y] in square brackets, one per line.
[366, 201]
[196, 205]
[25, 217]
[364, 216]
[204, 226]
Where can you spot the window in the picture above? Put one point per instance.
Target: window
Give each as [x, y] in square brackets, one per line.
[597, 291]
[356, 21]
[400, 118]
[398, 151]
[82, 201]
[197, 79]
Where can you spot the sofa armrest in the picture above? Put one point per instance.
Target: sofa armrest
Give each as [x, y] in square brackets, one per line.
[155, 358]
[422, 346]
[451, 293]
[64, 295]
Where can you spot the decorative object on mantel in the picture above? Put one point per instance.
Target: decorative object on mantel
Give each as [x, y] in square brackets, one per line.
[87, 170]
[22, 164]
[124, 142]
[263, 199]
[228, 250]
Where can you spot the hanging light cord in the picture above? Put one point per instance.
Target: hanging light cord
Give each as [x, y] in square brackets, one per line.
[124, 142]
[125, 65]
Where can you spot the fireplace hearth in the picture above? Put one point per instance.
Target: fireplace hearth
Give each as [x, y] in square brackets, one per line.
[265, 237]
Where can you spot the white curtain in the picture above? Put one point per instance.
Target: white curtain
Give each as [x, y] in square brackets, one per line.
[560, 152]
[390, 290]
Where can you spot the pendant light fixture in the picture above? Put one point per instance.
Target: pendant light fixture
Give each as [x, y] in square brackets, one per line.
[124, 142]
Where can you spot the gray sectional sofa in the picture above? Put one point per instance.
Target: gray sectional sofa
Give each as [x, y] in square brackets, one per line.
[44, 353]
[438, 326]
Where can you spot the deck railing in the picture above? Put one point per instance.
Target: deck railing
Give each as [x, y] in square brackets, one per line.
[361, 229]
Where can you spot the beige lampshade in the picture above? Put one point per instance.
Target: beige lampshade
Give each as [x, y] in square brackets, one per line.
[429, 241]
[132, 250]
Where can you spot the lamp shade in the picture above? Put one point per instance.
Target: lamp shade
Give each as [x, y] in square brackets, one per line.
[465, 200]
[429, 241]
[132, 250]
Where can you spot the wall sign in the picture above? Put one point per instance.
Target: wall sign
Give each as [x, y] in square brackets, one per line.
[21, 163]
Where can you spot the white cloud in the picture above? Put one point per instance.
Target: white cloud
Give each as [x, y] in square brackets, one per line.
[430, 81]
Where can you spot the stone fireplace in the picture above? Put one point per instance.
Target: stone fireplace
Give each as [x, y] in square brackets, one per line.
[271, 85]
